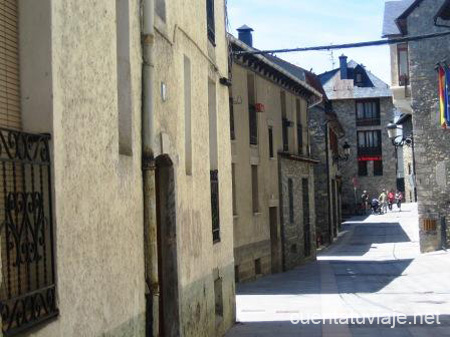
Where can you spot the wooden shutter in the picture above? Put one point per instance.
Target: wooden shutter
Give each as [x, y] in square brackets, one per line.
[9, 66]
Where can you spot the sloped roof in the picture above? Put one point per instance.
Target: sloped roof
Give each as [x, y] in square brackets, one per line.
[392, 10]
[377, 87]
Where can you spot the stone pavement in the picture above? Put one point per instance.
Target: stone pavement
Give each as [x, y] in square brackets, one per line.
[371, 274]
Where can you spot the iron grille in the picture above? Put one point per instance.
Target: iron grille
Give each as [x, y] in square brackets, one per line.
[369, 151]
[28, 288]
[215, 205]
[368, 121]
[210, 21]
[253, 123]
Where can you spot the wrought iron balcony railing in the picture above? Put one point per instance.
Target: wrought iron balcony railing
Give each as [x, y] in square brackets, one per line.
[215, 215]
[368, 121]
[28, 262]
[369, 151]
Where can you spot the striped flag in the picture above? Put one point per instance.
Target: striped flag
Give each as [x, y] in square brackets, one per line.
[443, 98]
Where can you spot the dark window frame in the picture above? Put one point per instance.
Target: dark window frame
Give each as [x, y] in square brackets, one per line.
[271, 148]
[364, 150]
[362, 170]
[368, 120]
[210, 21]
[378, 168]
[232, 130]
[403, 79]
[255, 188]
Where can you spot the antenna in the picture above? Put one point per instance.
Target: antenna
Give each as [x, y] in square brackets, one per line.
[332, 59]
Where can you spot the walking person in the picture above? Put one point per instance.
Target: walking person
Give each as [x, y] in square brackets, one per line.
[383, 201]
[391, 199]
[399, 198]
[365, 201]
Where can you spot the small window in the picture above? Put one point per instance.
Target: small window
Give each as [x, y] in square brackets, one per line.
[255, 192]
[218, 297]
[258, 270]
[233, 186]
[362, 168]
[368, 112]
[232, 132]
[271, 153]
[378, 168]
[210, 21]
[403, 64]
[409, 168]
[291, 200]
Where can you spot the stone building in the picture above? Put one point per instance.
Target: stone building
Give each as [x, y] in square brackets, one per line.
[401, 93]
[364, 106]
[430, 139]
[273, 174]
[325, 132]
[116, 198]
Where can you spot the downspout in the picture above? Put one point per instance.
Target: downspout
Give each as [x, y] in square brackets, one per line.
[148, 168]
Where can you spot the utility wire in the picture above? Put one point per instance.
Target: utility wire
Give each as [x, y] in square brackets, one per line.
[346, 45]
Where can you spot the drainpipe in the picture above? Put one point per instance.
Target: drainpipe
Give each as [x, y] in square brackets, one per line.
[148, 168]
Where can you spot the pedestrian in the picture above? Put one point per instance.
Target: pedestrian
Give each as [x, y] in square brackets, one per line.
[391, 199]
[383, 201]
[399, 198]
[365, 201]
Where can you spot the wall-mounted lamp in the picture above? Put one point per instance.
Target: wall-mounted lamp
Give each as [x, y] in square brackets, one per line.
[346, 155]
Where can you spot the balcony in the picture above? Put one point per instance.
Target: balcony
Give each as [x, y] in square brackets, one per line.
[28, 291]
[368, 121]
[369, 151]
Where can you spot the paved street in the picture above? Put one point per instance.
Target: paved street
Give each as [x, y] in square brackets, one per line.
[374, 271]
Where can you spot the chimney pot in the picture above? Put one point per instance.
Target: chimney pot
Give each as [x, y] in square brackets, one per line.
[245, 35]
[343, 66]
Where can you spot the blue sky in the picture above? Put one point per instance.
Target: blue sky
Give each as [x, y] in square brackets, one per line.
[303, 23]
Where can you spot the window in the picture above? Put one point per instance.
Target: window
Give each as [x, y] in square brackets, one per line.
[358, 79]
[291, 200]
[403, 64]
[213, 162]
[369, 143]
[258, 270]
[306, 216]
[232, 133]
[378, 168]
[271, 152]
[362, 168]
[285, 122]
[233, 186]
[160, 9]
[124, 102]
[210, 21]
[368, 113]
[187, 116]
[409, 169]
[252, 115]
[218, 296]
[255, 192]
[299, 127]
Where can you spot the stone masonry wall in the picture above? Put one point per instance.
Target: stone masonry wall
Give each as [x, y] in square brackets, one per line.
[293, 236]
[345, 109]
[431, 141]
[319, 151]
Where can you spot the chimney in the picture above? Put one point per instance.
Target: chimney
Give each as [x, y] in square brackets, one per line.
[245, 35]
[343, 66]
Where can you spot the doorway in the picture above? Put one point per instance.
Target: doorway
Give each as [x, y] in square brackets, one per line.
[274, 248]
[169, 316]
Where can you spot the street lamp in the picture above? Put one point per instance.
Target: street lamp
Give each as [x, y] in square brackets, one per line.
[346, 155]
[398, 140]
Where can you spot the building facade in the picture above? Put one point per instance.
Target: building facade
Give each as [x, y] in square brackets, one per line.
[273, 175]
[364, 106]
[401, 94]
[113, 118]
[430, 139]
[326, 132]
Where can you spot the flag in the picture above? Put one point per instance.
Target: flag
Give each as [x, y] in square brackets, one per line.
[442, 97]
[447, 96]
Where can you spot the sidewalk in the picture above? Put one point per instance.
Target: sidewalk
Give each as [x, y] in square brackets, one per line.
[374, 270]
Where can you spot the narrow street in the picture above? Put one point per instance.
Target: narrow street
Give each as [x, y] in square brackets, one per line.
[374, 270]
